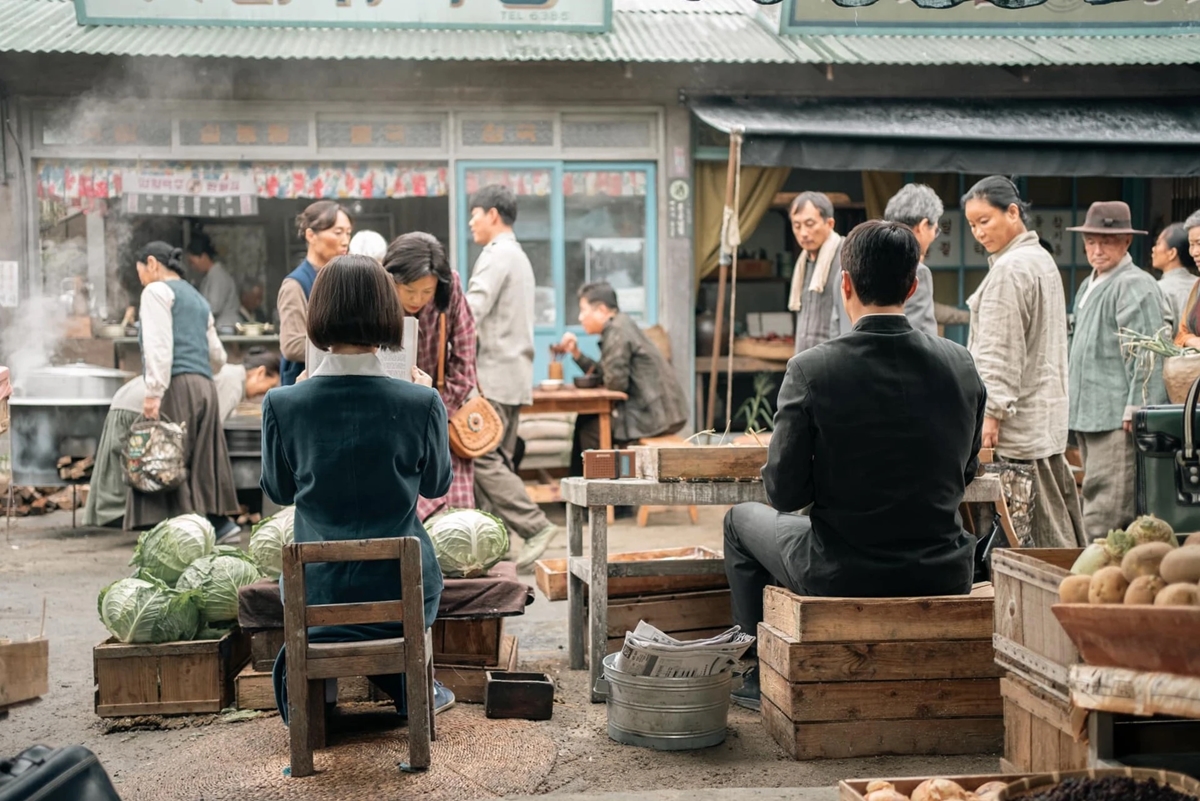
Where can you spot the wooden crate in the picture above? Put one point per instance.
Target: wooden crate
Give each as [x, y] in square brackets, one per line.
[1029, 640]
[468, 682]
[551, 575]
[254, 690]
[265, 645]
[1133, 692]
[1135, 636]
[856, 789]
[1042, 733]
[174, 678]
[685, 616]
[854, 677]
[24, 670]
[701, 463]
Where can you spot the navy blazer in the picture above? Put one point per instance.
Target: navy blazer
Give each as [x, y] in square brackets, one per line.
[353, 452]
[879, 430]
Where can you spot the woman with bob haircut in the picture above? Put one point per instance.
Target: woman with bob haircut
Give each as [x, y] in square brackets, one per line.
[352, 449]
[430, 291]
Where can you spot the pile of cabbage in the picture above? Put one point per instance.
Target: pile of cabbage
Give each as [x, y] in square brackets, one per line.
[185, 586]
[468, 542]
[268, 538]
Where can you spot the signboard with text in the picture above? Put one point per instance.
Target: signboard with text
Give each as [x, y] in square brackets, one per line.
[983, 17]
[561, 15]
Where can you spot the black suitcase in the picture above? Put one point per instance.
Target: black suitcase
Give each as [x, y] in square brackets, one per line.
[41, 773]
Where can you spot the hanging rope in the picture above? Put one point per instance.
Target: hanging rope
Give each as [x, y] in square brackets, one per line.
[731, 241]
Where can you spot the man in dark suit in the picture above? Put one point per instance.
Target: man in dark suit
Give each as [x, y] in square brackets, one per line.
[877, 435]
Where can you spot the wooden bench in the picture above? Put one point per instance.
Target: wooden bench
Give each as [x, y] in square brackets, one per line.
[644, 512]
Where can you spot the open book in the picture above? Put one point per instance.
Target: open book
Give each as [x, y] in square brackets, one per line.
[396, 363]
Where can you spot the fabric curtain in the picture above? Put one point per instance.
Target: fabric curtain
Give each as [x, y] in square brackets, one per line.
[759, 185]
[878, 188]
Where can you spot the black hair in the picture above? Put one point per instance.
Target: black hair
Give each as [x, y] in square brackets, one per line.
[498, 197]
[320, 216]
[1000, 193]
[1175, 236]
[415, 255]
[819, 200]
[201, 245]
[881, 259]
[261, 357]
[165, 254]
[353, 303]
[600, 292]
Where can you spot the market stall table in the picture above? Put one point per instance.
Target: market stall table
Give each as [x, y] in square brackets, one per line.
[589, 497]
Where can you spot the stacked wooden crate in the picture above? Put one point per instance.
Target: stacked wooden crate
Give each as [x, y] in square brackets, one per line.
[853, 677]
[1043, 731]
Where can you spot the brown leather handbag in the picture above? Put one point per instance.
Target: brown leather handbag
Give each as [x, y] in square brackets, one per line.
[476, 428]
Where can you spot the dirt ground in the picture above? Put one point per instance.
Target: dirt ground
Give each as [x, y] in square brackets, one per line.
[45, 561]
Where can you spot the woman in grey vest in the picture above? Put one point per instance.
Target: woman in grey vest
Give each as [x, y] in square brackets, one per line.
[180, 353]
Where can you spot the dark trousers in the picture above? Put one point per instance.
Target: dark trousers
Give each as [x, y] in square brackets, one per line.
[761, 547]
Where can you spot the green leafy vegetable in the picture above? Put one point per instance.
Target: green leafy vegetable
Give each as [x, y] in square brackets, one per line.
[468, 542]
[166, 550]
[268, 538]
[218, 578]
[146, 610]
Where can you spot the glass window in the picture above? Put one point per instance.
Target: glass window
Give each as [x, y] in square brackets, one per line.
[605, 233]
[532, 228]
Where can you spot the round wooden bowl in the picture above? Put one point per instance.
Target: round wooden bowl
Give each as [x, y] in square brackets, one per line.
[1034, 785]
[774, 350]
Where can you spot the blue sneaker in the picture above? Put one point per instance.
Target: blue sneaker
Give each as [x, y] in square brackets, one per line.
[443, 697]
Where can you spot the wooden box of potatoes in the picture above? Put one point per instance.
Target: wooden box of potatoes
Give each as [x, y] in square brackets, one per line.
[1129, 597]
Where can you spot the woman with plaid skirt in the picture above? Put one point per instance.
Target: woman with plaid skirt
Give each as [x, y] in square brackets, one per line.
[429, 289]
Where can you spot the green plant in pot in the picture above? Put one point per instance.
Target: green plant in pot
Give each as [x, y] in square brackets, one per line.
[757, 411]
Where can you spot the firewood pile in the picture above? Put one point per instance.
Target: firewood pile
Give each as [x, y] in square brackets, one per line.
[34, 501]
[72, 469]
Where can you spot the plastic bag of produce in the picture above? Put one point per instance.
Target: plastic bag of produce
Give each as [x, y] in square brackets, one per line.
[218, 578]
[468, 542]
[166, 550]
[268, 538]
[146, 610]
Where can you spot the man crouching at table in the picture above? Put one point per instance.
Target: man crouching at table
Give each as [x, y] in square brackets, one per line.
[876, 436]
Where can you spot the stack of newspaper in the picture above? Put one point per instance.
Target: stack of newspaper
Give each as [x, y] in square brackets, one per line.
[649, 652]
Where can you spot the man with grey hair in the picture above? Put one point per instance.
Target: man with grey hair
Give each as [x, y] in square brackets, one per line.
[920, 208]
[818, 272]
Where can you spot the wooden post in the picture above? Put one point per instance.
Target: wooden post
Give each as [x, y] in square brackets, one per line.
[730, 182]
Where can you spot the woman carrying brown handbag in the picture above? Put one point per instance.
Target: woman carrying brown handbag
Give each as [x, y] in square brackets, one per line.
[429, 290]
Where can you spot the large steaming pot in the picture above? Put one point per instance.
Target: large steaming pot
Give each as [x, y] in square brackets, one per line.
[73, 381]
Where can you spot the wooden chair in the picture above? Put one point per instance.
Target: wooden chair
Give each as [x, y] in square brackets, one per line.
[309, 665]
[644, 512]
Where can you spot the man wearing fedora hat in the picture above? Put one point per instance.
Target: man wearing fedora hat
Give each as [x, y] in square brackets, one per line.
[1106, 383]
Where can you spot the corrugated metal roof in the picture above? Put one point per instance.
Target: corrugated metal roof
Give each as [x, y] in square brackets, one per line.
[676, 31]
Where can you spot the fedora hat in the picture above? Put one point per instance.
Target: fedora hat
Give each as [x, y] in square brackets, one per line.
[1107, 217]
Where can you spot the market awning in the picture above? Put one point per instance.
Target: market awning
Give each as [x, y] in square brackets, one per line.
[1040, 137]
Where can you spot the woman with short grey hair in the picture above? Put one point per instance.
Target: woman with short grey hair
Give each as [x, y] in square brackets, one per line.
[920, 208]
[1189, 323]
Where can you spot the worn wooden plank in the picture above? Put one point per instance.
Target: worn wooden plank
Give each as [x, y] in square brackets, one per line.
[1133, 692]
[265, 646]
[681, 612]
[983, 489]
[347, 550]
[117, 650]
[809, 619]
[1049, 708]
[1041, 732]
[354, 614]
[158, 708]
[706, 463]
[190, 678]
[24, 670]
[303, 727]
[1146, 638]
[1048, 676]
[667, 570]
[255, 690]
[639, 492]
[881, 700]
[469, 682]
[879, 661]
[468, 642]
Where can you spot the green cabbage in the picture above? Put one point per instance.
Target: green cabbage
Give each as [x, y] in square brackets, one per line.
[468, 542]
[166, 550]
[147, 610]
[218, 578]
[268, 538]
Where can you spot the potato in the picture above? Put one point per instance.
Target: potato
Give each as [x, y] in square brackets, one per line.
[1143, 560]
[939, 790]
[1108, 586]
[1192, 539]
[1182, 566]
[880, 784]
[1143, 589]
[1178, 595]
[990, 787]
[1074, 589]
[886, 794]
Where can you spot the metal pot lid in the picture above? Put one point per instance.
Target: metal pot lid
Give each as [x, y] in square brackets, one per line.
[81, 370]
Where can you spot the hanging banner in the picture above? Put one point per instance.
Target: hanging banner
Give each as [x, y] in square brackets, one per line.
[593, 16]
[194, 182]
[988, 17]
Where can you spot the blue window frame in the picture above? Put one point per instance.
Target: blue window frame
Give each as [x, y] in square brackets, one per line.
[578, 222]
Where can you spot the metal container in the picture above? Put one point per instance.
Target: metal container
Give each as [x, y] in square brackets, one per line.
[46, 429]
[243, 439]
[77, 381]
[664, 713]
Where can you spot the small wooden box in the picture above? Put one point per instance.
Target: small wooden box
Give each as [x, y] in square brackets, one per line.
[551, 575]
[265, 645]
[1042, 734]
[701, 463]
[24, 670]
[174, 678]
[609, 464]
[1028, 638]
[524, 696]
[469, 682]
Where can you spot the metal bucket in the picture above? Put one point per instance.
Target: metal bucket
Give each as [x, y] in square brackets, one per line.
[666, 714]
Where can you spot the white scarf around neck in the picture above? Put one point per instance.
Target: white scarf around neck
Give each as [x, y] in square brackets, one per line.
[820, 274]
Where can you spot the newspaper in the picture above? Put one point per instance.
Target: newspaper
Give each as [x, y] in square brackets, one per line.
[650, 652]
[395, 363]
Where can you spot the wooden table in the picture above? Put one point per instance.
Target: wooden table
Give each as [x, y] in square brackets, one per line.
[568, 399]
[587, 499]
